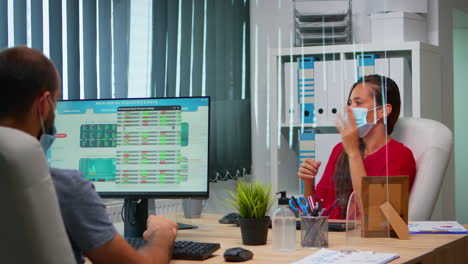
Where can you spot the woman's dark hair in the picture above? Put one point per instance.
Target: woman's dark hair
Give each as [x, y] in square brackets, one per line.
[385, 91]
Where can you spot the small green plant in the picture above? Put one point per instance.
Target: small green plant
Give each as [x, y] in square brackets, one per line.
[251, 200]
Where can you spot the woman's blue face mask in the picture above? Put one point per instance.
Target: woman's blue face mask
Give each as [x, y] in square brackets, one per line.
[360, 114]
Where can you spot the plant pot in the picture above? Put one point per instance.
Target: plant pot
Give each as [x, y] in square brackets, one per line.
[254, 230]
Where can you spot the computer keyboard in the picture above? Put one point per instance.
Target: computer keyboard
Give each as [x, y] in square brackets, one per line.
[183, 249]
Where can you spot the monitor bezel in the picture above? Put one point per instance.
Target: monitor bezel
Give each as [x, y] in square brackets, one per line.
[163, 195]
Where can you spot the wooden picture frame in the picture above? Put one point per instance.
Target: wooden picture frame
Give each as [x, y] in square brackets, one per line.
[374, 196]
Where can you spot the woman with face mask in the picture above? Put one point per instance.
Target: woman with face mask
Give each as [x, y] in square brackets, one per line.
[366, 148]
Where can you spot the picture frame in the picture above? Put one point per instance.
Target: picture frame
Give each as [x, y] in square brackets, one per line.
[374, 196]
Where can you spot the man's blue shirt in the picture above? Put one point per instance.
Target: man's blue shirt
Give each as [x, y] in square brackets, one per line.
[84, 214]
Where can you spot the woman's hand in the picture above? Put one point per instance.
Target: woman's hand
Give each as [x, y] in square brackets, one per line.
[308, 170]
[349, 133]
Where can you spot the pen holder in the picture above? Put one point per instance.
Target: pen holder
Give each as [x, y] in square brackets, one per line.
[314, 231]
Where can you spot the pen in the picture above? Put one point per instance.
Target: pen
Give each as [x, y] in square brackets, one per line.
[311, 203]
[332, 207]
[321, 212]
[316, 210]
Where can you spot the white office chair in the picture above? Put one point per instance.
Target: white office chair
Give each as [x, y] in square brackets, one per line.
[431, 143]
[31, 227]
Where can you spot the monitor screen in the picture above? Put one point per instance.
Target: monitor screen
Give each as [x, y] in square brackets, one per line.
[136, 148]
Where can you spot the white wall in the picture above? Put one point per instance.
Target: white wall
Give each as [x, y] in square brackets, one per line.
[460, 94]
[445, 208]
[460, 54]
[361, 22]
[432, 20]
[271, 26]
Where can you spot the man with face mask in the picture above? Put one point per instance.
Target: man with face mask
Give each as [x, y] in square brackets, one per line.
[30, 88]
[48, 130]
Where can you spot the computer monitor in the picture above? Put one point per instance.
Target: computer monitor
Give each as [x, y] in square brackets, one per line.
[136, 148]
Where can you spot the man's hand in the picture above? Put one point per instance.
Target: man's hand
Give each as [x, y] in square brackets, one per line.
[160, 228]
[308, 170]
[161, 233]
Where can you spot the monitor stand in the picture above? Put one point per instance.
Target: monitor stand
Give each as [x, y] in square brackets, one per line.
[136, 214]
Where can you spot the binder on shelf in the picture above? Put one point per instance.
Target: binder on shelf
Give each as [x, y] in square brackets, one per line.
[307, 113]
[399, 71]
[321, 93]
[382, 67]
[396, 68]
[366, 64]
[329, 91]
[306, 88]
[306, 149]
[350, 76]
[335, 91]
[291, 99]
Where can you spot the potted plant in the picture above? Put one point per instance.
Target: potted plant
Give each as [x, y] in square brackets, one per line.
[252, 201]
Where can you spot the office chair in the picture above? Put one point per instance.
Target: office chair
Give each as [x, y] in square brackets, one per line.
[31, 226]
[431, 143]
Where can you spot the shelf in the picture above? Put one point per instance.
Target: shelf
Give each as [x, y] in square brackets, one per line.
[356, 48]
[318, 129]
[316, 28]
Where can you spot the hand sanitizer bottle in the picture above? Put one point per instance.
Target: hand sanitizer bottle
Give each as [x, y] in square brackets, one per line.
[284, 226]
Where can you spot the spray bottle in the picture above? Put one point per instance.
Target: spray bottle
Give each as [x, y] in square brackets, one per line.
[284, 226]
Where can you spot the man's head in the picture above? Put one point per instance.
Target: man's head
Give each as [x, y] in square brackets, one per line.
[29, 89]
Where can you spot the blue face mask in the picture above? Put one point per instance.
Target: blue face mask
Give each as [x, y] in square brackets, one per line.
[360, 114]
[47, 140]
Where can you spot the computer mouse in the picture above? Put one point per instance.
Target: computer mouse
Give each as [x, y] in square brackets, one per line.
[237, 254]
[231, 218]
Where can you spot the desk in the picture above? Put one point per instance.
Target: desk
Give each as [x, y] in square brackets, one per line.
[420, 249]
